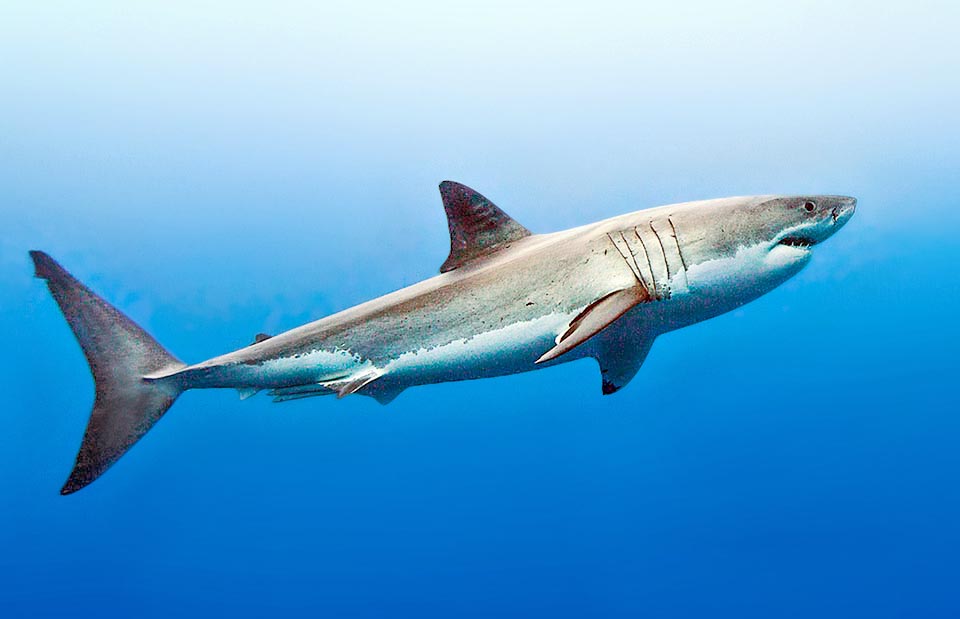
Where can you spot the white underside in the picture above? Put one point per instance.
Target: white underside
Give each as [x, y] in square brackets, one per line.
[734, 280]
[501, 351]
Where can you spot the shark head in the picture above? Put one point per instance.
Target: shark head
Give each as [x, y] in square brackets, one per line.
[738, 249]
[795, 224]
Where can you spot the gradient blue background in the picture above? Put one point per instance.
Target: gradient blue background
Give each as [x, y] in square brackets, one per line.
[231, 168]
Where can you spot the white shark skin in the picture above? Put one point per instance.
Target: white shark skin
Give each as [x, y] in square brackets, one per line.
[499, 314]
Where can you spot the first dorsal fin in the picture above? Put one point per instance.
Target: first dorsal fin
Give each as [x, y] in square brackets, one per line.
[477, 226]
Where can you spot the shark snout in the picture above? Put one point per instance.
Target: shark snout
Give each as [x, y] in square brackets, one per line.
[837, 211]
[843, 210]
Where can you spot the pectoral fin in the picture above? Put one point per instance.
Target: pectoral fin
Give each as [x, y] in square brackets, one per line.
[595, 318]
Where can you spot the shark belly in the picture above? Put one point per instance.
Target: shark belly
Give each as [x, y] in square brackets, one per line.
[509, 349]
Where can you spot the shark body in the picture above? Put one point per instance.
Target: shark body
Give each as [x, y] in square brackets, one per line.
[506, 301]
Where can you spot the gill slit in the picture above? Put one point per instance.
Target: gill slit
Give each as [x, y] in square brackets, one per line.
[636, 273]
[676, 239]
[632, 255]
[655, 292]
[663, 252]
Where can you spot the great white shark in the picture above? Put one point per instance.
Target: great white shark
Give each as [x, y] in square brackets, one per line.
[506, 301]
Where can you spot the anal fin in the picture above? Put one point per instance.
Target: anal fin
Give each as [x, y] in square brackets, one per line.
[247, 392]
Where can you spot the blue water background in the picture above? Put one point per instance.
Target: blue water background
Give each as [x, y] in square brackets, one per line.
[231, 168]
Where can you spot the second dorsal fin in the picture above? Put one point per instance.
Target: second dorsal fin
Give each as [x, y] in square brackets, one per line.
[477, 226]
[260, 337]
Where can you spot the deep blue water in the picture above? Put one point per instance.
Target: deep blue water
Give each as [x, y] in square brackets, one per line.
[225, 170]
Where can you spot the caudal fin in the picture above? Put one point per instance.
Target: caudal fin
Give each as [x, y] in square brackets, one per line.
[119, 353]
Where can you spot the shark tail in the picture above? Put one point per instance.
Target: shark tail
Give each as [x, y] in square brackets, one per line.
[120, 354]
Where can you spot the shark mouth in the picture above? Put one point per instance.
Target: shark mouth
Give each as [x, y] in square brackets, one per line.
[801, 242]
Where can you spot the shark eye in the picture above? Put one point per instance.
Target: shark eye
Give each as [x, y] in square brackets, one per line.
[809, 206]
